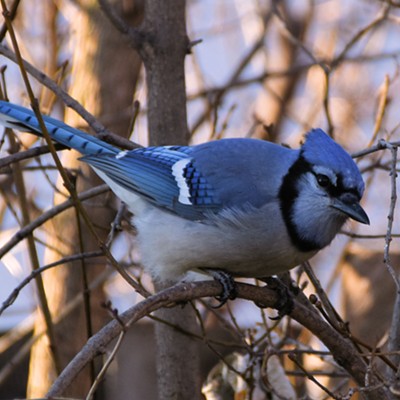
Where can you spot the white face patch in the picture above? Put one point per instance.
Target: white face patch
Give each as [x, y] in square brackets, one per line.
[121, 154]
[177, 172]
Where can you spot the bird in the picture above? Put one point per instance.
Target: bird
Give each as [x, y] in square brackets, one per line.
[234, 207]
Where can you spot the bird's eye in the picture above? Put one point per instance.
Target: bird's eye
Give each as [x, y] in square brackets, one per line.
[323, 180]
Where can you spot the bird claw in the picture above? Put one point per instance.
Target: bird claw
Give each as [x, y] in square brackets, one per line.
[284, 305]
[229, 291]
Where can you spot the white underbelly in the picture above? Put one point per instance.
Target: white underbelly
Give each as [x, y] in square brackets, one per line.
[170, 246]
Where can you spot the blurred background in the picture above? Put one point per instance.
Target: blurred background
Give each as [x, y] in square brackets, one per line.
[265, 69]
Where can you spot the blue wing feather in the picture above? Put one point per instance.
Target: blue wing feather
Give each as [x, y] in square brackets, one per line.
[225, 173]
[145, 171]
[21, 118]
[148, 172]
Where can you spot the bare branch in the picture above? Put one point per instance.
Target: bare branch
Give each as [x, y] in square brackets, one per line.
[344, 351]
[13, 296]
[28, 229]
[70, 102]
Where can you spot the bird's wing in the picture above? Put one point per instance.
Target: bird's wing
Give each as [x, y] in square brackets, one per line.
[190, 181]
[244, 171]
[165, 176]
[196, 181]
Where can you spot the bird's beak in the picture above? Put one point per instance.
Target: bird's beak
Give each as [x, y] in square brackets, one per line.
[349, 205]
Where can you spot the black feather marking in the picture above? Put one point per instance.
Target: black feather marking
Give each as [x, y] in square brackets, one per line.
[287, 197]
[84, 144]
[201, 192]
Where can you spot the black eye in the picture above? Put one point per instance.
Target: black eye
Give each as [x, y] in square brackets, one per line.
[323, 180]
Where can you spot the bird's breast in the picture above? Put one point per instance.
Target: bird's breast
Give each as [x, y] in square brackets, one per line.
[246, 242]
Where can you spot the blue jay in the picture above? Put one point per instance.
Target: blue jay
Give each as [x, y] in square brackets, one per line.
[247, 207]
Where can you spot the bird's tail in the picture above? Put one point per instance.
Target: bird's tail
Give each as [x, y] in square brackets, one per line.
[23, 119]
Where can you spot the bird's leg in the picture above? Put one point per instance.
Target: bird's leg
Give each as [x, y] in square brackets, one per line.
[225, 279]
[285, 303]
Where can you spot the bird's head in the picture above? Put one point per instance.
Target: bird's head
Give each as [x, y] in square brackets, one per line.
[322, 189]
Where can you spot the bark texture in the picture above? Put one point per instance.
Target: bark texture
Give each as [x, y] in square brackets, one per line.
[164, 50]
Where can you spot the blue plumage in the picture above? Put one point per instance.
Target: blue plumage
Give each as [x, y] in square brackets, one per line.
[320, 149]
[248, 207]
[21, 118]
[149, 172]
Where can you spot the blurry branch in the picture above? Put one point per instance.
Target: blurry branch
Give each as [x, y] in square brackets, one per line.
[323, 65]
[12, 13]
[24, 155]
[342, 350]
[326, 98]
[16, 291]
[69, 185]
[260, 78]
[327, 66]
[234, 77]
[29, 228]
[359, 35]
[293, 38]
[20, 185]
[383, 101]
[8, 368]
[136, 35]
[101, 131]
[297, 361]
[238, 83]
[34, 261]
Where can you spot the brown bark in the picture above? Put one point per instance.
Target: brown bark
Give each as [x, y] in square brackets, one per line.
[104, 75]
[163, 55]
[341, 347]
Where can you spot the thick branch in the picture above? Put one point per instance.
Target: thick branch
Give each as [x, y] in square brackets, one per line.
[341, 348]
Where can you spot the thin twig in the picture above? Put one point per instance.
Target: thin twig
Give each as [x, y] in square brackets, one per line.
[343, 350]
[293, 357]
[28, 229]
[8, 368]
[34, 258]
[355, 39]
[16, 291]
[106, 365]
[24, 155]
[234, 77]
[394, 334]
[295, 40]
[383, 101]
[390, 217]
[101, 131]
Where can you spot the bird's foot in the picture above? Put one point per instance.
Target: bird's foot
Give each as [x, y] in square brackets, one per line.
[284, 305]
[225, 279]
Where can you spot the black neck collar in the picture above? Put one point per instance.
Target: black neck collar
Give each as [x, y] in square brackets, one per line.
[288, 194]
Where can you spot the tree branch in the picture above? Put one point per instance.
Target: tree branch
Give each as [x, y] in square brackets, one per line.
[342, 349]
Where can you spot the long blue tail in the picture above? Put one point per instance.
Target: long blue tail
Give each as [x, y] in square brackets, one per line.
[23, 119]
